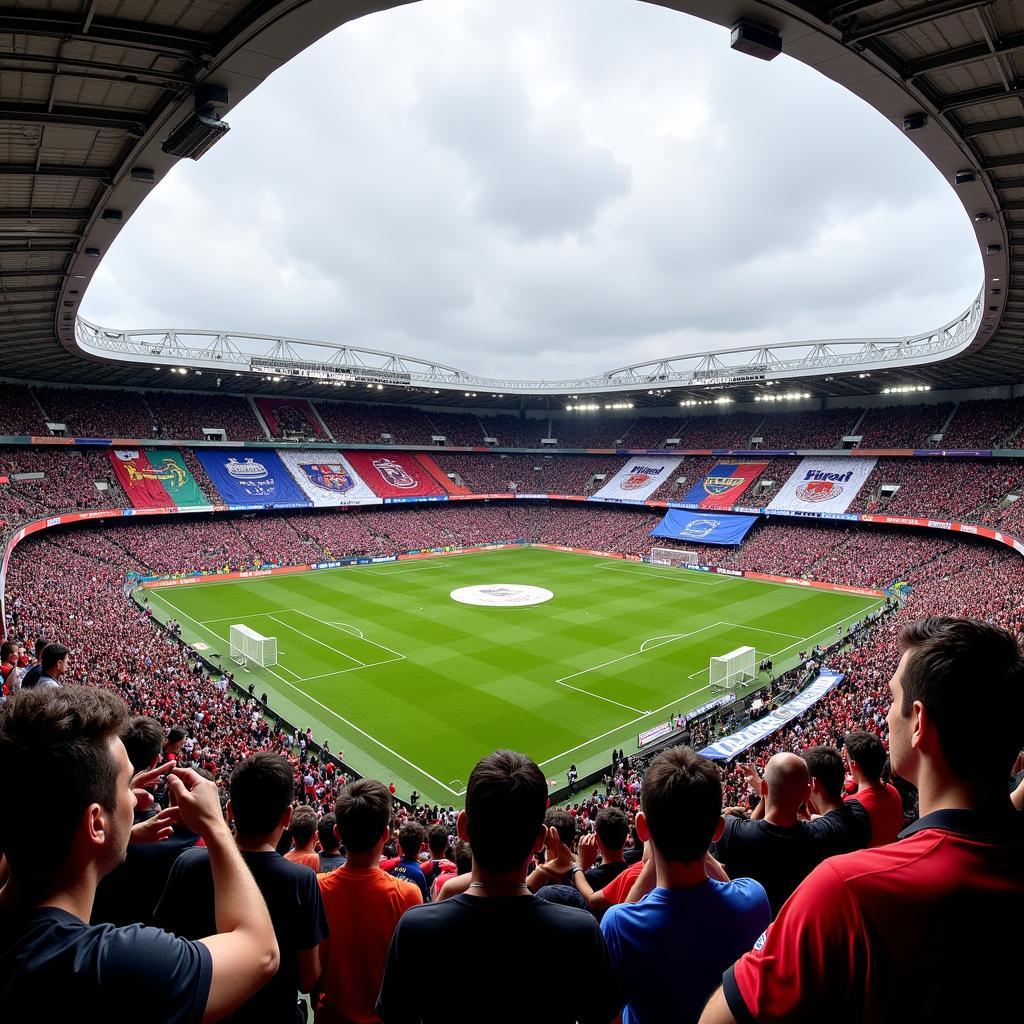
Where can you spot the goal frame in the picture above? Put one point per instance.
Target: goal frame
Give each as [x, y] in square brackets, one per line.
[673, 557]
[727, 671]
[247, 645]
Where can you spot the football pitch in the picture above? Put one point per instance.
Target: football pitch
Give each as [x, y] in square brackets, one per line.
[415, 687]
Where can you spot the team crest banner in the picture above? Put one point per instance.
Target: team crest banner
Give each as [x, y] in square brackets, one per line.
[724, 484]
[638, 479]
[155, 478]
[327, 478]
[822, 485]
[252, 478]
[703, 527]
[395, 474]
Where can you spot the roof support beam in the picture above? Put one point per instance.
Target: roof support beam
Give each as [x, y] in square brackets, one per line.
[75, 67]
[1006, 124]
[963, 55]
[976, 97]
[927, 12]
[80, 117]
[111, 31]
[57, 171]
[1009, 160]
[75, 215]
[6, 289]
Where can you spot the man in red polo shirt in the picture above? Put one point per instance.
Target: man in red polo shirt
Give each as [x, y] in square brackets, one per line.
[916, 930]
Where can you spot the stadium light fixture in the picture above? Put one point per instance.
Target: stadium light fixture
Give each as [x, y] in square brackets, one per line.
[983, 218]
[915, 122]
[964, 177]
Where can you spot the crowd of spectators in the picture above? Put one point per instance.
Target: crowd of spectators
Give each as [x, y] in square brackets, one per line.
[183, 416]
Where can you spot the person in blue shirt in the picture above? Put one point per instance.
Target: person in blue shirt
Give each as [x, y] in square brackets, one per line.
[410, 842]
[669, 950]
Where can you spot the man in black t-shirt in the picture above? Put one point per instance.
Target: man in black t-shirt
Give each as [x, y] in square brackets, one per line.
[499, 935]
[66, 774]
[775, 848]
[839, 826]
[262, 787]
[611, 826]
[331, 857]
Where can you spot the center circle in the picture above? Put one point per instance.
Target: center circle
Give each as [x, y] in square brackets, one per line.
[502, 595]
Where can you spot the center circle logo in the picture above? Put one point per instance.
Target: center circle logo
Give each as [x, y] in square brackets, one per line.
[502, 595]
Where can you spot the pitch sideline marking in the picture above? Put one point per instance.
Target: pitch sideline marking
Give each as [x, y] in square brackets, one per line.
[350, 657]
[396, 654]
[351, 725]
[705, 582]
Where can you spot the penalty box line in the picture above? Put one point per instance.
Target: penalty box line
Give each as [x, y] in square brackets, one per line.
[331, 711]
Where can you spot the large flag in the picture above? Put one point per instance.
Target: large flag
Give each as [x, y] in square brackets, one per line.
[702, 528]
[394, 474]
[252, 478]
[327, 478]
[156, 478]
[724, 484]
[638, 479]
[823, 485]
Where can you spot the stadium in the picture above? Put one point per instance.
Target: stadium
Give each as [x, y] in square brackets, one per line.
[377, 568]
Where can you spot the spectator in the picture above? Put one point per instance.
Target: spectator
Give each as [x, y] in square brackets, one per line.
[330, 854]
[66, 741]
[437, 864]
[173, 743]
[776, 849]
[260, 806]
[130, 893]
[53, 664]
[504, 823]
[611, 828]
[856, 933]
[8, 667]
[410, 841]
[461, 869]
[837, 827]
[670, 949]
[880, 799]
[363, 906]
[32, 673]
[304, 835]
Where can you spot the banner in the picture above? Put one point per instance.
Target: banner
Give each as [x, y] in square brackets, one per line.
[252, 479]
[327, 479]
[138, 478]
[295, 415]
[701, 528]
[638, 479]
[823, 485]
[729, 746]
[178, 482]
[724, 484]
[394, 474]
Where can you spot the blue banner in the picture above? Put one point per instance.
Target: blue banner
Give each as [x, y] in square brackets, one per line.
[251, 479]
[703, 527]
[728, 747]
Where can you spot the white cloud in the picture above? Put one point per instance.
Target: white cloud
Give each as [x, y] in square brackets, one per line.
[545, 188]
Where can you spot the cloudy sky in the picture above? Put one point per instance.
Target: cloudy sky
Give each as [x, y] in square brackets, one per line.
[545, 187]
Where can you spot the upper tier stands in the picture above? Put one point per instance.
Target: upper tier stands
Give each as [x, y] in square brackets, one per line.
[97, 412]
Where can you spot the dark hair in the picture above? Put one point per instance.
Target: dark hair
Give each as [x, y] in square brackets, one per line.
[612, 827]
[363, 811]
[52, 653]
[563, 822]
[948, 659]
[681, 797]
[7, 649]
[55, 761]
[261, 787]
[463, 858]
[325, 830]
[867, 751]
[437, 840]
[505, 800]
[410, 839]
[826, 765]
[41, 644]
[175, 734]
[303, 826]
[142, 737]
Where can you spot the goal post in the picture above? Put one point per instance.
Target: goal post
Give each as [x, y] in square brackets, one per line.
[727, 671]
[673, 557]
[248, 645]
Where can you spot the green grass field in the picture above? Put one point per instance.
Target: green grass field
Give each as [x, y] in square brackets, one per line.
[415, 687]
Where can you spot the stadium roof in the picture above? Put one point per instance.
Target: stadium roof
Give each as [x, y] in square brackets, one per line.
[99, 96]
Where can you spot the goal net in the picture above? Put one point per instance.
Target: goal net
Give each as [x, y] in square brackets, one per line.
[729, 670]
[672, 556]
[248, 645]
